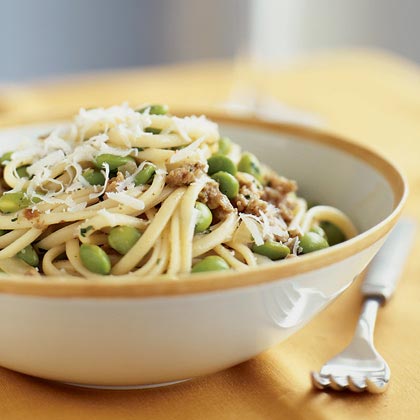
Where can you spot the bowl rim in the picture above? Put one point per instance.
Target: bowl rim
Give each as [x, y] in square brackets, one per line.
[165, 286]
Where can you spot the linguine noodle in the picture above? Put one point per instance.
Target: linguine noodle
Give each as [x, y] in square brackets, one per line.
[65, 194]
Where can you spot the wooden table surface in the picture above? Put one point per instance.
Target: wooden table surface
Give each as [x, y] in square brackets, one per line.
[368, 96]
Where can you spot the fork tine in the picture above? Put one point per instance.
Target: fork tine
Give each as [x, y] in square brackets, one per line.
[368, 370]
[337, 383]
[356, 386]
[376, 387]
[319, 381]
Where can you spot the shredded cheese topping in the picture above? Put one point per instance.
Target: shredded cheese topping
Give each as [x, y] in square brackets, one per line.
[144, 171]
[90, 135]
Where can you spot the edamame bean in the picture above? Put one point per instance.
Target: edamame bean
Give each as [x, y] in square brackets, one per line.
[228, 184]
[114, 161]
[311, 242]
[22, 172]
[250, 164]
[221, 163]
[210, 263]
[152, 130]
[155, 109]
[145, 175]
[3, 232]
[272, 249]
[334, 234]
[13, 201]
[225, 145]
[319, 231]
[35, 200]
[94, 177]
[204, 217]
[122, 238]
[29, 255]
[5, 157]
[95, 259]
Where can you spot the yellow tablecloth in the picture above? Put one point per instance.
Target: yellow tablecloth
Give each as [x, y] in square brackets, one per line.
[365, 95]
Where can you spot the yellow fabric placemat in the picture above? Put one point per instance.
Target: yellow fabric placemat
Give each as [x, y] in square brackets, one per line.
[368, 96]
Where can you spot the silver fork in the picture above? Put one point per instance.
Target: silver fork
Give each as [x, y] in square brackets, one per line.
[359, 367]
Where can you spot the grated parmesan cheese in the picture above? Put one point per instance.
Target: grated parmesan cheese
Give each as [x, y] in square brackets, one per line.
[57, 161]
[127, 200]
[187, 151]
[254, 226]
[50, 160]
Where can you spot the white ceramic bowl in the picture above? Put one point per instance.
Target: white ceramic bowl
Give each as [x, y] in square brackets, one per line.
[128, 334]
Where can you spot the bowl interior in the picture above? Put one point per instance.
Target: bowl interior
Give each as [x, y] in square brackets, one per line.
[326, 173]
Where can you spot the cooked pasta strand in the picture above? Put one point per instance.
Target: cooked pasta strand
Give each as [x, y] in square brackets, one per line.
[221, 234]
[15, 265]
[330, 214]
[11, 237]
[140, 194]
[20, 243]
[163, 257]
[187, 223]
[246, 253]
[175, 256]
[229, 258]
[47, 262]
[60, 236]
[143, 245]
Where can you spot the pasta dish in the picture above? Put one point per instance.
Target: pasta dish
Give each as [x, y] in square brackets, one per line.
[139, 192]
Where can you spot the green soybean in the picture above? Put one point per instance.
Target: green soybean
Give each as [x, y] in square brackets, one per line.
[122, 238]
[204, 217]
[225, 145]
[29, 255]
[311, 242]
[210, 263]
[152, 130]
[333, 233]
[14, 201]
[113, 161]
[95, 259]
[221, 163]
[272, 249]
[5, 157]
[36, 200]
[156, 109]
[319, 231]
[145, 175]
[228, 184]
[94, 177]
[22, 172]
[250, 164]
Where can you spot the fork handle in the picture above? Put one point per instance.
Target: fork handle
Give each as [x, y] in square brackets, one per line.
[386, 267]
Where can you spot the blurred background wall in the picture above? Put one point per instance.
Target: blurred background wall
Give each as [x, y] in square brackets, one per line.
[43, 38]
[286, 28]
[39, 38]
